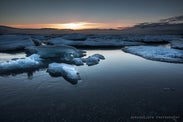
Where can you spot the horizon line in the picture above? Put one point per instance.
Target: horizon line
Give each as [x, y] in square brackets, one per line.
[71, 26]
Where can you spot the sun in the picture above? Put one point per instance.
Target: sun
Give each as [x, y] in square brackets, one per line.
[74, 26]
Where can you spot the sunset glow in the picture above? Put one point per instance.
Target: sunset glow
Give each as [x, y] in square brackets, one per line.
[73, 25]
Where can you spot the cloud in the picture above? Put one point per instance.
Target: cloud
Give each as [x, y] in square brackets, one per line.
[177, 19]
[168, 21]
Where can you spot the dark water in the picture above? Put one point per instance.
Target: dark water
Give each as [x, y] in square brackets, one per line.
[119, 88]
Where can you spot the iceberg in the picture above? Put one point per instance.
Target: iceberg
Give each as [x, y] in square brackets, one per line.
[93, 60]
[67, 71]
[77, 61]
[31, 62]
[98, 56]
[95, 42]
[156, 53]
[14, 42]
[62, 52]
[90, 61]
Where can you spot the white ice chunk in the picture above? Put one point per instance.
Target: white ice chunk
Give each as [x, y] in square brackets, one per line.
[67, 71]
[32, 61]
[156, 53]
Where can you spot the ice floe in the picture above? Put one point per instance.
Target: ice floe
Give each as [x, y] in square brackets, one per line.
[75, 36]
[62, 52]
[33, 61]
[177, 44]
[14, 42]
[77, 61]
[69, 72]
[61, 68]
[156, 53]
[93, 60]
[96, 42]
[152, 38]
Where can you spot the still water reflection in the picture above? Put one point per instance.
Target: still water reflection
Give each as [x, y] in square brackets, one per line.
[117, 88]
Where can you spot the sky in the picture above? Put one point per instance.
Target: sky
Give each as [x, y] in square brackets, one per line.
[81, 14]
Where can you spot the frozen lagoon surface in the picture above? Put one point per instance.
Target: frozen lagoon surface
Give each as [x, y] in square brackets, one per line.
[120, 87]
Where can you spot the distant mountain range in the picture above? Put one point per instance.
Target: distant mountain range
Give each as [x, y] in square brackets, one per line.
[173, 25]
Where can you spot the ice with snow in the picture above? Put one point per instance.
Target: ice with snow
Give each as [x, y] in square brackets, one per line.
[156, 53]
[68, 71]
[33, 61]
